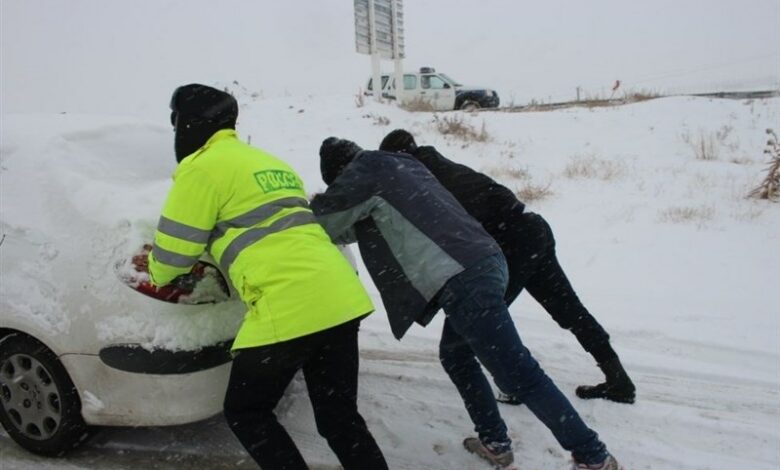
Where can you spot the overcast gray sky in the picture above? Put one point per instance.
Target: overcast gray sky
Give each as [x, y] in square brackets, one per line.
[125, 57]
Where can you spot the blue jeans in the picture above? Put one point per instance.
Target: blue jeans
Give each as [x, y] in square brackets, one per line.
[478, 328]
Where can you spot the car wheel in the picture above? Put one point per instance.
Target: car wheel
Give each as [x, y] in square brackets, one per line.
[39, 405]
[469, 106]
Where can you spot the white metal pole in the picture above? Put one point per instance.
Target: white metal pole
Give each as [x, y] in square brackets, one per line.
[376, 72]
[399, 81]
[399, 68]
[377, 76]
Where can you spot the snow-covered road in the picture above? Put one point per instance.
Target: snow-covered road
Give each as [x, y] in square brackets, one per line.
[681, 420]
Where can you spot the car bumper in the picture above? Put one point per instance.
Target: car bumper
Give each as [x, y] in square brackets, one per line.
[489, 101]
[114, 397]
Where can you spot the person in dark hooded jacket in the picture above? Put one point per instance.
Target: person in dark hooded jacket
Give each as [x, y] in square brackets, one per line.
[424, 253]
[529, 247]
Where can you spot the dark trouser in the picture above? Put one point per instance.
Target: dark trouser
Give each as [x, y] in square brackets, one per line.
[259, 377]
[478, 327]
[529, 248]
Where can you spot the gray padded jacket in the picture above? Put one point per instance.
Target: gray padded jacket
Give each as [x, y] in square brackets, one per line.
[412, 233]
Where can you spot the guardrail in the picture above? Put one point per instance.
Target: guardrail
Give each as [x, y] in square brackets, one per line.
[736, 95]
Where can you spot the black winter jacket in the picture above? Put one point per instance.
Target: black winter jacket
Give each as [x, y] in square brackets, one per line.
[483, 198]
[412, 233]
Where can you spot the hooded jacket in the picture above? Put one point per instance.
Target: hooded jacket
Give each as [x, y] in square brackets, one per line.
[413, 234]
[483, 198]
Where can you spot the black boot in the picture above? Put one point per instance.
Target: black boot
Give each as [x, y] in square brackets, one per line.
[618, 386]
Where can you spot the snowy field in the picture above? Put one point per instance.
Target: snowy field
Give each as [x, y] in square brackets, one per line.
[662, 247]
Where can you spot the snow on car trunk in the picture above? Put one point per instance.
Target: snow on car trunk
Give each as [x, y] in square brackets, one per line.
[81, 194]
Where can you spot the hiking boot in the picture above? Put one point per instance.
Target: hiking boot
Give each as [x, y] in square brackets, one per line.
[508, 399]
[608, 464]
[618, 386]
[497, 453]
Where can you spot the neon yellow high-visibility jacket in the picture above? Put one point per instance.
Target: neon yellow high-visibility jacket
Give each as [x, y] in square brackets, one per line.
[249, 210]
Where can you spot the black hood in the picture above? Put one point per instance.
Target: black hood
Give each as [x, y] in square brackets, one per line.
[399, 140]
[335, 154]
[197, 112]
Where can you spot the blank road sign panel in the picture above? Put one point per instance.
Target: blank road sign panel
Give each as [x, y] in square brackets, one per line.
[383, 27]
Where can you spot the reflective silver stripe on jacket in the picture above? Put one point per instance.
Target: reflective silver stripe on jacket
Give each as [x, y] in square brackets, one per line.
[255, 216]
[184, 232]
[256, 234]
[173, 259]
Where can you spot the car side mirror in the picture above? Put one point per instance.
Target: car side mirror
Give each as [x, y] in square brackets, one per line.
[447, 85]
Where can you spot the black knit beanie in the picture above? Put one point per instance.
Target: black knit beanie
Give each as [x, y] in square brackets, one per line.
[335, 154]
[398, 140]
[197, 112]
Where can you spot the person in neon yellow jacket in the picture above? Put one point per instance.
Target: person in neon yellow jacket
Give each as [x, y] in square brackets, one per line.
[249, 210]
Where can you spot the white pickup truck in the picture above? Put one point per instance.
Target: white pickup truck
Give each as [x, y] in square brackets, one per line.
[438, 90]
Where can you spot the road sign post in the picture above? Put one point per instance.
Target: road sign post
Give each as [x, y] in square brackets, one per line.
[379, 33]
[376, 66]
[397, 15]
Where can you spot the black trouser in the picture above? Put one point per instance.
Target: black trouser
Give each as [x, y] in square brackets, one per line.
[259, 377]
[529, 248]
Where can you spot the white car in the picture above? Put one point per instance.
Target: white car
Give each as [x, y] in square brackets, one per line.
[78, 347]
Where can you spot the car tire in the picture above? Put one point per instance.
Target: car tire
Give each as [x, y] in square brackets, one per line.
[39, 405]
[469, 106]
